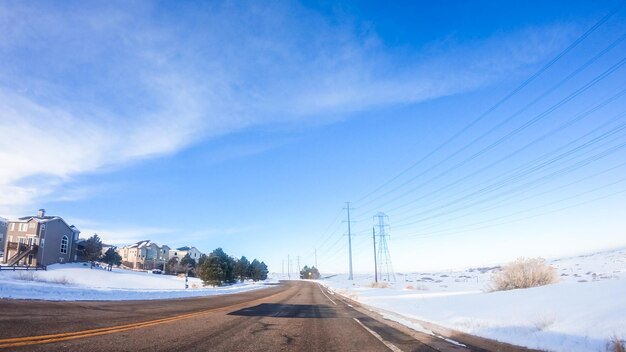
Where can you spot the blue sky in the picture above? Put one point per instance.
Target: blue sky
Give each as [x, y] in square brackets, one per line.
[247, 126]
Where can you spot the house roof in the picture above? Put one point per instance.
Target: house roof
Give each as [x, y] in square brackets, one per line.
[184, 248]
[140, 244]
[45, 219]
[145, 243]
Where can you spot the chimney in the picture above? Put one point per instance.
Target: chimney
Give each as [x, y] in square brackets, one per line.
[41, 213]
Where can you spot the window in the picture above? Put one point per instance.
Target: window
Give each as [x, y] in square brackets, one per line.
[23, 227]
[12, 227]
[64, 241]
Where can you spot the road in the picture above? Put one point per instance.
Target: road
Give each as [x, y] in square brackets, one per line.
[292, 316]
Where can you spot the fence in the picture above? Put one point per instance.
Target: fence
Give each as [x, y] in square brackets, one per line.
[23, 267]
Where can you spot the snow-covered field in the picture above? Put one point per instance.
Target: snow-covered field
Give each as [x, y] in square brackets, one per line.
[585, 310]
[68, 282]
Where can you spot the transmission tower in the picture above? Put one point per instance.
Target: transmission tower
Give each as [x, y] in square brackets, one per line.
[385, 268]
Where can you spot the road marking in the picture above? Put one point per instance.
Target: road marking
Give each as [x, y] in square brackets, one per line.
[43, 339]
[326, 294]
[389, 345]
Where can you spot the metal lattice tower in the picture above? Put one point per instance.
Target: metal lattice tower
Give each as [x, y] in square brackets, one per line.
[385, 268]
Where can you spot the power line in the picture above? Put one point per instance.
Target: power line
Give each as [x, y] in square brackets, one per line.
[524, 187]
[516, 90]
[517, 130]
[434, 234]
[577, 118]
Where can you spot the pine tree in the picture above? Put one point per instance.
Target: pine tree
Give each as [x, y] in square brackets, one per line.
[172, 266]
[188, 261]
[309, 273]
[218, 268]
[111, 257]
[241, 269]
[92, 249]
[258, 270]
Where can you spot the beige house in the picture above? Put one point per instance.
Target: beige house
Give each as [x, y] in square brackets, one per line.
[144, 255]
[179, 253]
[39, 240]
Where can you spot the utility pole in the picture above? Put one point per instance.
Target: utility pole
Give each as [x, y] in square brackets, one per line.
[283, 264]
[350, 277]
[375, 262]
[316, 258]
[288, 267]
[299, 265]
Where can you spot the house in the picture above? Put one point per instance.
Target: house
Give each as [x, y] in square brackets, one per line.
[40, 240]
[3, 233]
[179, 253]
[144, 255]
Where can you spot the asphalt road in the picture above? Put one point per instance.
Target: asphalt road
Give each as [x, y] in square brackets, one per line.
[293, 316]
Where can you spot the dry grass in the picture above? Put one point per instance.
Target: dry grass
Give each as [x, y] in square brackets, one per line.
[58, 280]
[26, 276]
[617, 345]
[31, 276]
[379, 285]
[523, 273]
[416, 287]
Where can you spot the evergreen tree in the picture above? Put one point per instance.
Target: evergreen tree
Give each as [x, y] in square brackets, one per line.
[241, 269]
[92, 249]
[309, 273]
[258, 270]
[111, 257]
[188, 261]
[218, 268]
[202, 258]
[172, 266]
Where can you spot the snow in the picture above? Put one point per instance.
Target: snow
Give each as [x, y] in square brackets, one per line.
[74, 281]
[582, 312]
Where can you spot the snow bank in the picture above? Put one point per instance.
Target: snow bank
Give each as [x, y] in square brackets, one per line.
[70, 282]
[581, 313]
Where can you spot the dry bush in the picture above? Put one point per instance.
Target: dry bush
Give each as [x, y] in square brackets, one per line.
[26, 276]
[59, 280]
[379, 285]
[523, 273]
[416, 287]
[617, 345]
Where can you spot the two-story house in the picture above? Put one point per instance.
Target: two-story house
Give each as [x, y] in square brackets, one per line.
[40, 240]
[144, 255]
[179, 253]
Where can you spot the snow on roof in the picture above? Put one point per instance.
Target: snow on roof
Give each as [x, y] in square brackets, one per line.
[38, 219]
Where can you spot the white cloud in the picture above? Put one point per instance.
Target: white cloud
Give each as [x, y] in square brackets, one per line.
[85, 89]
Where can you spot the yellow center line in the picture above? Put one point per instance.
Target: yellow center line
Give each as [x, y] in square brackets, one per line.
[42, 339]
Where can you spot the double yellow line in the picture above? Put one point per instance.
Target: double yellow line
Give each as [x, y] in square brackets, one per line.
[43, 339]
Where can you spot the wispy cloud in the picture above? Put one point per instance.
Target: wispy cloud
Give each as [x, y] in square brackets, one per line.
[123, 234]
[88, 89]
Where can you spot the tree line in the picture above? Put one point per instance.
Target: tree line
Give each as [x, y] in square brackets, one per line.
[218, 268]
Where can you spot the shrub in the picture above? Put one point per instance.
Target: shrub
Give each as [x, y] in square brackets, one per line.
[523, 273]
[62, 280]
[26, 276]
[379, 285]
[617, 345]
